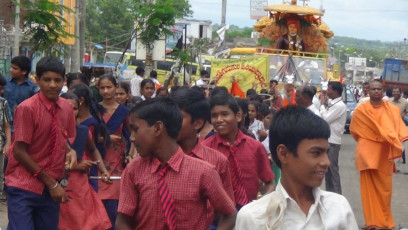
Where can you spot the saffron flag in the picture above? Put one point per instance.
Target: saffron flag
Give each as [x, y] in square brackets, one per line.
[239, 75]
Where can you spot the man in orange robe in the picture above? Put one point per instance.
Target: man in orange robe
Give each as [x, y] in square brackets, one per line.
[379, 130]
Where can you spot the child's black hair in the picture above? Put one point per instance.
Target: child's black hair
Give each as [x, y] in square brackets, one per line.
[153, 74]
[219, 89]
[73, 76]
[256, 105]
[161, 89]
[251, 92]
[293, 124]
[96, 110]
[3, 81]
[71, 96]
[145, 81]
[226, 99]
[109, 77]
[192, 102]
[23, 62]
[160, 109]
[49, 64]
[125, 86]
[244, 124]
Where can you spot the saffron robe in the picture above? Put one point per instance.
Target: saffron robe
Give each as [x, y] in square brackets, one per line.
[379, 131]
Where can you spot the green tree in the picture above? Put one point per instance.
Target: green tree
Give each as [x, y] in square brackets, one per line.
[154, 19]
[109, 22]
[44, 26]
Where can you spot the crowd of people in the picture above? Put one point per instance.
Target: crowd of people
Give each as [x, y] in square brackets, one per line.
[119, 155]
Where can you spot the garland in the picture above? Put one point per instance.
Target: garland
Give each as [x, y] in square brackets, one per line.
[297, 45]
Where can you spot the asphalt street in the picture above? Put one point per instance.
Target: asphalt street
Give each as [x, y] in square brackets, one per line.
[350, 186]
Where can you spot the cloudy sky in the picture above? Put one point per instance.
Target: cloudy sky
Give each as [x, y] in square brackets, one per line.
[365, 19]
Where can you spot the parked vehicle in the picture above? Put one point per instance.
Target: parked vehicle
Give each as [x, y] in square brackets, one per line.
[351, 104]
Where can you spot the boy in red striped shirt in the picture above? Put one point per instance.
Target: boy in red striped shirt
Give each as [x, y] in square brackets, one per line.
[164, 187]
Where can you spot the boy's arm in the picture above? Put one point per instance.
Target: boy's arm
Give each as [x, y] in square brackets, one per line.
[270, 186]
[20, 154]
[96, 157]
[219, 199]
[7, 131]
[70, 157]
[123, 222]
[227, 222]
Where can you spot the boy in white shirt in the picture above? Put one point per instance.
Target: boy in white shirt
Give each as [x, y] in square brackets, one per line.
[299, 145]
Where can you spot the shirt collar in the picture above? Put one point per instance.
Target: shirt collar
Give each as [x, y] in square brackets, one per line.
[174, 162]
[241, 137]
[47, 102]
[335, 100]
[27, 80]
[197, 150]
[317, 194]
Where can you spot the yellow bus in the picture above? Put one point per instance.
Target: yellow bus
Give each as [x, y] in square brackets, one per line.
[163, 68]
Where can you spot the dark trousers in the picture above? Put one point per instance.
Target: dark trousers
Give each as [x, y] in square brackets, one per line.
[333, 176]
[111, 207]
[31, 211]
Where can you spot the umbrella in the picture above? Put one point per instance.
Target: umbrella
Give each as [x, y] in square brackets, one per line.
[294, 9]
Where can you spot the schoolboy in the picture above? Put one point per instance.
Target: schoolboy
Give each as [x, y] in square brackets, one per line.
[19, 87]
[299, 145]
[165, 188]
[5, 133]
[39, 152]
[247, 157]
[195, 110]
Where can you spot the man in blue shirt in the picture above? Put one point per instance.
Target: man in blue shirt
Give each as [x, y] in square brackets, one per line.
[19, 87]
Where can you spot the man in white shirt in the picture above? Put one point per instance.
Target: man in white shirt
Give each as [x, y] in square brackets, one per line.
[315, 100]
[335, 114]
[304, 97]
[298, 144]
[203, 80]
[135, 82]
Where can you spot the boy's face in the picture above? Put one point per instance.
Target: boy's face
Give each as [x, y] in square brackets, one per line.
[189, 128]
[310, 165]
[16, 72]
[142, 136]
[50, 84]
[267, 120]
[1, 90]
[252, 113]
[224, 120]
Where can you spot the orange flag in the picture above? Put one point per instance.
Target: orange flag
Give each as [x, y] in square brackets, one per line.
[236, 90]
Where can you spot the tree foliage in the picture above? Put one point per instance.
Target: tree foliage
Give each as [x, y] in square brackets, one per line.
[43, 25]
[110, 21]
[234, 32]
[373, 50]
[154, 19]
[115, 20]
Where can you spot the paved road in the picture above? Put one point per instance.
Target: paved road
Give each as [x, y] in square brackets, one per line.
[350, 185]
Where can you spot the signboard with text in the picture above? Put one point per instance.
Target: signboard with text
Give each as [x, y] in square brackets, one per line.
[257, 8]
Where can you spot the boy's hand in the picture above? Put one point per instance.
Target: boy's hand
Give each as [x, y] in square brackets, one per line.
[58, 194]
[106, 177]
[6, 149]
[71, 159]
[85, 165]
[115, 138]
[262, 134]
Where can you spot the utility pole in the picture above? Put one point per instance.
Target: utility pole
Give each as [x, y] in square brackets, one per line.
[75, 58]
[82, 14]
[224, 12]
[16, 46]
